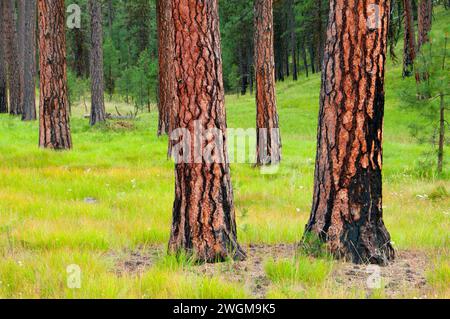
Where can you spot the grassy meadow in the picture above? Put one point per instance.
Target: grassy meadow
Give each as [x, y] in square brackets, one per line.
[111, 196]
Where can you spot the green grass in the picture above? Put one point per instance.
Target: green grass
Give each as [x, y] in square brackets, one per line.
[46, 225]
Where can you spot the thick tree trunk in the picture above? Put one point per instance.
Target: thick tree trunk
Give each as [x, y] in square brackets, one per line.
[347, 208]
[54, 130]
[268, 134]
[96, 64]
[12, 57]
[29, 69]
[166, 72]
[203, 215]
[409, 54]
[3, 75]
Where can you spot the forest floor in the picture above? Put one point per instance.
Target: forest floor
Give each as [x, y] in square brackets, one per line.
[104, 209]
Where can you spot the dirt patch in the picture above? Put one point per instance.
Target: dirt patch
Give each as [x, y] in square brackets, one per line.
[407, 273]
[138, 261]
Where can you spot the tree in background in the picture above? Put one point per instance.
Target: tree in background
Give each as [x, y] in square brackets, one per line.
[431, 126]
[425, 16]
[54, 130]
[268, 136]
[166, 73]
[3, 75]
[29, 55]
[410, 49]
[12, 57]
[203, 214]
[96, 64]
[347, 207]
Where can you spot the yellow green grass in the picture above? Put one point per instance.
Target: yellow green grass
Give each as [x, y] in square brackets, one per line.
[46, 224]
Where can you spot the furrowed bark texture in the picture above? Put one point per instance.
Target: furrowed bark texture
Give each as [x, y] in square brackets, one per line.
[3, 76]
[409, 54]
[12, 57]
[96, 64]
[203, 214]
[54, 130]
[269, 150]
[347, 206]
[425, 20]
[29, 54]
[166, 72]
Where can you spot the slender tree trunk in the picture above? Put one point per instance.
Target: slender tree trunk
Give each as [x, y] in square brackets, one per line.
[312, 57]
[305, 58]
[441, 135]
[250, 68]
[96, 64]
[268, 134]
[347, 207]
[293, 36]
[203, 214]
[54, 130]
[21, 47]
[29, 71]
[3, 74]
[242, 69]
[409, 54]
[79, 52]
[12, 57]
[425, 19]
[166, 70]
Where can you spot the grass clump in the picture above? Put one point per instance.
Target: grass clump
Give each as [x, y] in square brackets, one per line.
[301, 270]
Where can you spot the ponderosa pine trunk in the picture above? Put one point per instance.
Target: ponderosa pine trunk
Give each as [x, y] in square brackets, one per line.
[3, 75]
[347, 208]
[409, 52]
[268, 133]
[12, 56]
[96, 64]
[425, 20]
[54, 129]
[29, 68]
[204, 222]
[166, 72]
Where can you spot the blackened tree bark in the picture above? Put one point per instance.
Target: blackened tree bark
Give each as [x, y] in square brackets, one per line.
[203, 214]
[12, 57]
[54, 130]
[268, 137]
[409, 54]
[166, 72]
[347, 207]
[425, 20]
[96, 64]
[29, 56]
[3, 75]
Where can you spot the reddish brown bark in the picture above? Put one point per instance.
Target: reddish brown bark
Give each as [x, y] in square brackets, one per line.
[166, 73]
[96, 64]
[425, 20]
[347, 207]
[409, 54]
[203, 214]
[54, 130]
[268, 137]
[12, 57]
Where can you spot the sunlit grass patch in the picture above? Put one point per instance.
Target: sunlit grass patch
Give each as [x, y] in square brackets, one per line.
[301, 270]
